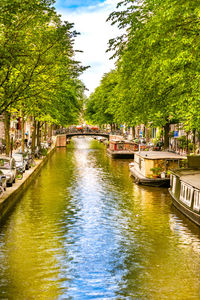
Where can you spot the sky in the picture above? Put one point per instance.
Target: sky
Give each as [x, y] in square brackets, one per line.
[89, 18]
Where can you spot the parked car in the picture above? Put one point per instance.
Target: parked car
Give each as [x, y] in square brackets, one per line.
[8, 168]
[3, 180]
[19, 160]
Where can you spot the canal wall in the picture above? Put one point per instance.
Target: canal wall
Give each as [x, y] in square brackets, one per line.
[12, 194]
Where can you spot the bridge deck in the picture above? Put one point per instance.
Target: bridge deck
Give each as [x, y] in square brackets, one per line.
[70, 134]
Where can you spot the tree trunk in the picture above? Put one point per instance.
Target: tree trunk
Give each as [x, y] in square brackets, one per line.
[194, 141]
[147, 135]
[198, 142]
[33, 137]
[187, 148]
[45, 131]
[22, 128]
[38, 134]
[49, 131]
[7, 132]
[42, 136]
[166, 136]
[133, 132]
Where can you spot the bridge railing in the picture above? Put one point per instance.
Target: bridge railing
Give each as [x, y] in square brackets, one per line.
[85, 131]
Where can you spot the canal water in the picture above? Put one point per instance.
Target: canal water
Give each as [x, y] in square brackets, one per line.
[84, 230]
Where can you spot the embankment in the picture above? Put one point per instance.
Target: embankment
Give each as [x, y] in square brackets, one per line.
[12, 194]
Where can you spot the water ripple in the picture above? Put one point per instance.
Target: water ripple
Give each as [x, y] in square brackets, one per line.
[84, 230]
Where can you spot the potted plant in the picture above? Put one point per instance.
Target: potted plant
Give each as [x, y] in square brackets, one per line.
[156, 172]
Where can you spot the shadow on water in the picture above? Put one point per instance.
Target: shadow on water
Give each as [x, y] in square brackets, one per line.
[85, 230]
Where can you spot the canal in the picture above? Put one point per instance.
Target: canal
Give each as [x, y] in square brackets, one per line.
[84, 230]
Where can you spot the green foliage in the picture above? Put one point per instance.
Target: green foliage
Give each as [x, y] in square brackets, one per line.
[71, 145]
[183, 142]
[38, 74]
[43, 152]
[96, 145]
[158, 62]
[100, 105]
[156, 170]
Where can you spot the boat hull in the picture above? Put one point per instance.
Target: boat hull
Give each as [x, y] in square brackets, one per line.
[159, 182]
[194, 217]
[120, 154]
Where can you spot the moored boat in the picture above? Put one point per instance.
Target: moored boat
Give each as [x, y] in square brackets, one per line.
[185, 192]
[122, 149]
[152, 167]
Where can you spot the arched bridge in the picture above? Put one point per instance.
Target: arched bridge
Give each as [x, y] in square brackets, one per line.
[64, 136]
[86, 133]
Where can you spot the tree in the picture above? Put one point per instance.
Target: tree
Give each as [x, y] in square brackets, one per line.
[99, 105]
[33, 42]
[39, 75]
[158, 61]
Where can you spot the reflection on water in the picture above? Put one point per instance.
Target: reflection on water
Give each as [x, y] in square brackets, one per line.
[84, 230]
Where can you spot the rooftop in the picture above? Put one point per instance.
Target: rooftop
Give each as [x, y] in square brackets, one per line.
[189, 176]
[159, 155]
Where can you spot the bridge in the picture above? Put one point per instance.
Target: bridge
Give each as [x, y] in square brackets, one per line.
[87, 133]
[64, 135]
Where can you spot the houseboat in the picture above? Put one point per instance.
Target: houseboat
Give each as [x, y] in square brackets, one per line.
[152, 167]
[122, 149]
[185, 190]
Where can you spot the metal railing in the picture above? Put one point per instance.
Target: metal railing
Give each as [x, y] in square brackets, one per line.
[87, 130]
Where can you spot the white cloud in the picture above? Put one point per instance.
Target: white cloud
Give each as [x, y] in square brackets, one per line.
[95, 34]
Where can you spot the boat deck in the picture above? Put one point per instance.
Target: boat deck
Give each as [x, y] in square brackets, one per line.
[141, 179]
